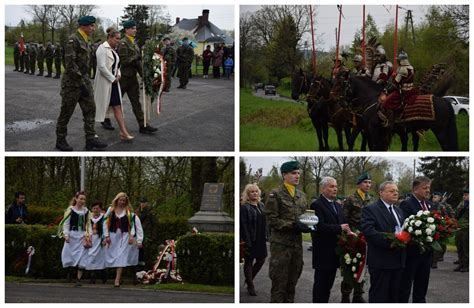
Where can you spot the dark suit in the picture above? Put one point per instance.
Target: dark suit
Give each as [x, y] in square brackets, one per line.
[325, 260]
[385, 264]
[418, 267]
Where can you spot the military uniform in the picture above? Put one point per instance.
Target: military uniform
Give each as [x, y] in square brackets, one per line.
[130, 60]
[76, 87]
[49, 56]
[16, 56]
[40, 60]
[26, 59]
[444, 209]
[32, 52]
[286, 260]
[462, 237]
[353, 212]
[57, 60]
[94, 59]
[185, 56]
[170, 57]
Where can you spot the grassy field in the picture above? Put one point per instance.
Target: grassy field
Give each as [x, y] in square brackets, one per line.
[269, 125]
[188, 287]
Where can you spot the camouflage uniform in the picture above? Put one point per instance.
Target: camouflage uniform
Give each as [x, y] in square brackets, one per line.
[170, 57]
[185, 56]
[462, 237]
[40, 60]
[57, 60]
[130, 61]
[16, 56]
[76, 87]
[26, 59]
[446, 210]
[32, 52]
[49, 55]
[353, 212]
[286, 251]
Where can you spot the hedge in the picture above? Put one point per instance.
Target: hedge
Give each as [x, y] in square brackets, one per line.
[47, 259]
[44, 215]
[207, 258]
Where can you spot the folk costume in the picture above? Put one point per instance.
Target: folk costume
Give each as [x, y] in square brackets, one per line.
[76, 226]
[95, 258]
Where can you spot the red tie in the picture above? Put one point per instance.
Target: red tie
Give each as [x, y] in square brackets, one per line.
[423, 206]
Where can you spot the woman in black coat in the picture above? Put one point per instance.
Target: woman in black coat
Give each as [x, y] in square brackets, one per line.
[253, 232]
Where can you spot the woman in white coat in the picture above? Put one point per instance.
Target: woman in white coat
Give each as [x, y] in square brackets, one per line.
[106, 83]
[123, 235]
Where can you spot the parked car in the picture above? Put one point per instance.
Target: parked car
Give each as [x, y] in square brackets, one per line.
[270, 90]
[460, 104]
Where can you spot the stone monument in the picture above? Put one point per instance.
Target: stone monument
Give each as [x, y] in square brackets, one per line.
[210, 217]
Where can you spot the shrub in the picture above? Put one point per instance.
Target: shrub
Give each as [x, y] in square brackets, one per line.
[43, 215]
[207, 258]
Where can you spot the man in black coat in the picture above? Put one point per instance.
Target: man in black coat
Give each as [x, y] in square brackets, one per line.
[17, 213]
[331, 224]
[418, 267]
[385, 263]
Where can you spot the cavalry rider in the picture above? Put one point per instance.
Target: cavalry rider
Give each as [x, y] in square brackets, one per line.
[338, 66]
[359, 68]
[401, 90]
[383, 67]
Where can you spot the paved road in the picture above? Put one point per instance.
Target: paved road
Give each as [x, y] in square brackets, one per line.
[61, 293]
[445, 285]
[200, 118]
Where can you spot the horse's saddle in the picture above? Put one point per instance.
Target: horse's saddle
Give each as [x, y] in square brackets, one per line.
[419, 108]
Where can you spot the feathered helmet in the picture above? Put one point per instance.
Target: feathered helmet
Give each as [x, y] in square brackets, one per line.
[357, 58]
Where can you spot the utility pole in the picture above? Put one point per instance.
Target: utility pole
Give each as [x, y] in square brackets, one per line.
[83, 173]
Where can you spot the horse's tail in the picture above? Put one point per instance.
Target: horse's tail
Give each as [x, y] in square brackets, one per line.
[452, 129]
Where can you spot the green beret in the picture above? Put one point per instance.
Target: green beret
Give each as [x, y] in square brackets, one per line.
[364, 176]
[289, 166]
[437, 193]
[86, 20]
[129, 24]
[465, 191]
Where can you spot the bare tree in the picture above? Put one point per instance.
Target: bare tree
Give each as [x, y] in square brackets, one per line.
[53, 18]
[460, 17]
[158, 17]
[341, 166]
[40, 15]
[70, 14]
[319, 166]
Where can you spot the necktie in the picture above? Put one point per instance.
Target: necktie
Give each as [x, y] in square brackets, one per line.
[423, 205]
[394, 216]
[333, 207]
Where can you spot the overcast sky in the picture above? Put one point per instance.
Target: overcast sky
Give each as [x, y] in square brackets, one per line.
[327, 18]
[268, 162]
[221, 15]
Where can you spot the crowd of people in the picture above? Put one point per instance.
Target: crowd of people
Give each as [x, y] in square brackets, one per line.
[98, 74]
[395, 274]
[98, 238]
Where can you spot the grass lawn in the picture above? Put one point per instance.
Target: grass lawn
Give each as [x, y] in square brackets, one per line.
[188, 287]
[9, 56]
[269, 125]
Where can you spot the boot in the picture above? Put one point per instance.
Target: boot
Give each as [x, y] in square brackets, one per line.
[57, 76]
[107, 124]
[62, 145]
[464, 269]
[345, 298]
[39, 74]
[94, 143]
[147, 130]
[48, 76]
[248, 273]
[458, 269]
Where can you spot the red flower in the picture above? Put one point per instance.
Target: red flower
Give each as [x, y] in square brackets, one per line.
[403, 237]
[441, 228]
[436, 236]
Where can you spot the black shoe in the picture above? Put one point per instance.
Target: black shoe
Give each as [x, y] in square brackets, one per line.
[107, 125]
[434, 266]
[47, 76]
[78, 283]
[251, 291]
[179, 87]
[456, 262]
[167, 90]
[62, 145]
[57, 77]
[457, 269]
[358, 299]
[15, 70]
[464, 269]
[183, 87]
[39, 74]
[32, 73]
[147, 130]
[94, 144]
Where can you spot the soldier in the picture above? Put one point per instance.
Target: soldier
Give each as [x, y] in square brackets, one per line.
[16, 56]
[359, 68]
[26, 58]
[383, 67]
[32, 52]
[77, 87]
[185, 55]
[401, 88]
[130, 59]
[338, 66]
[444, 209]
[282, 209]
[94, 58]
[462, 235]
[49, 56]
[170, 57]
[353, 212]
[57, 60]
[40, 59]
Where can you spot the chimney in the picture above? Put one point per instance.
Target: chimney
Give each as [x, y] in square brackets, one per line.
[199, 22]
[177, 20]
[205, 17]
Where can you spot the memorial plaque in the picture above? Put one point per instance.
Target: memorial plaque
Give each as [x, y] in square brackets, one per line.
[212, 197]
